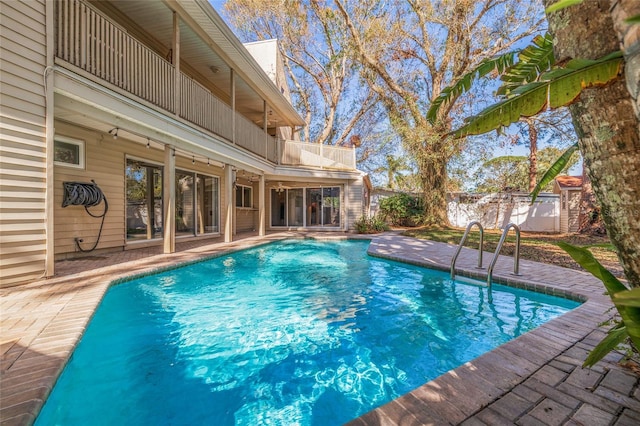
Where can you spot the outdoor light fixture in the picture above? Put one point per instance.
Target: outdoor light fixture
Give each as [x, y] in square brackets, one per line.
[148, 143]
[114, 132]
[214, 69]
[193, 160]
[208, 163]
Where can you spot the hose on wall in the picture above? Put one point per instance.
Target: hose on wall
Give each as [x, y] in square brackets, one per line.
[86, 195]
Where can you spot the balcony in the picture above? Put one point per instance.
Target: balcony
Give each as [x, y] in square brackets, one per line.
[88, 40]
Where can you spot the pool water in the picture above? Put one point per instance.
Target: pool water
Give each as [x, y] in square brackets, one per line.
[299, 332]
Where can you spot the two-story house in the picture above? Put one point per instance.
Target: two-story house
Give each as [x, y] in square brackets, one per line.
[162, 107]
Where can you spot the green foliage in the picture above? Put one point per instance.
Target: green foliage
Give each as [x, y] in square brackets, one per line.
[633, 20]
[370, 225]
[553, 171]
[562, 4]
[555, 88]
[626, 301]
[402, 210]
[533, 60]
[497, 64]
[512, 172]
[505, 173]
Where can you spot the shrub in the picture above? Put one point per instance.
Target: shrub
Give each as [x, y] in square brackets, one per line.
[370, 225]
[402, 210]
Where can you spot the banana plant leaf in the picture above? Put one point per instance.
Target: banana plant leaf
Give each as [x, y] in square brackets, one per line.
[614, 337]
[628, 298]
[562, 4]
[557, 88]
[533, 60]
[629, 313]
[554, 170]
[633, 20]
[464, 83]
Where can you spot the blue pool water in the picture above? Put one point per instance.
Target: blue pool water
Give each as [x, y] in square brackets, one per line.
[298, 332]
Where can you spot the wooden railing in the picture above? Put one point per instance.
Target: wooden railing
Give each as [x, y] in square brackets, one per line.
[199, 106]
[87, 39]
[317, 155]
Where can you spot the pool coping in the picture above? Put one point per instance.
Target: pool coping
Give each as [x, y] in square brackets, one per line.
[43, 321]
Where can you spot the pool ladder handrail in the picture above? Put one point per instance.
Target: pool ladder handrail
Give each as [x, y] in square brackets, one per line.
[516, 254]
[464, 238]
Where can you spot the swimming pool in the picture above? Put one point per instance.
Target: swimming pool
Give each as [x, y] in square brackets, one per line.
[298, 332]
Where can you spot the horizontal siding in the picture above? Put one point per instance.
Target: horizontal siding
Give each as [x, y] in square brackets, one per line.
[22, 125]
[25, 47]
[31, 25]
[105, 162]
[246, 220]
[354, 202]
[30, 13]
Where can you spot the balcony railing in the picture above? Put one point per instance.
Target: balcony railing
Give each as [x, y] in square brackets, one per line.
[317, 155]
[90, 41]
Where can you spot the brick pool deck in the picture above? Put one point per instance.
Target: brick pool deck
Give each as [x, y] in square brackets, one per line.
[535, 379]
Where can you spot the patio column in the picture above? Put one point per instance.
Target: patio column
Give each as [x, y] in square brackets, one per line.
[169, 197]
[228, 203]
[261, 207]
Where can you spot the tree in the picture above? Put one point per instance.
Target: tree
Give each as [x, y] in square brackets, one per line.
[511, 173]
[392, 168]
[324, 79]
[608, 128]
[408, 50]
[552, 126]
[605, 113]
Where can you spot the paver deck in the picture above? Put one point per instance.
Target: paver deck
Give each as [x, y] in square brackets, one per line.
[535, 379]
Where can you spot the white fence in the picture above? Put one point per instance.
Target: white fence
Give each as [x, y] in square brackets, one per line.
[495, 211]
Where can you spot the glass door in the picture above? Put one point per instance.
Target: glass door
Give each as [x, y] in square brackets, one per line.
[144, 200]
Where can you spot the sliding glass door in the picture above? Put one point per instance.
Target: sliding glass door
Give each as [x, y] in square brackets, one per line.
[308, 207]
[144, 200]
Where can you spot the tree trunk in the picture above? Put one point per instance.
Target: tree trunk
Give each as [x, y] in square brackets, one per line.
[433, 174]
[590, 217]
[606, 124]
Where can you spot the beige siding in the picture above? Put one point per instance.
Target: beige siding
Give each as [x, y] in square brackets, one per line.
[354, 200]
[23, 141]
[574, 211]
[247, 219]
[105, 164]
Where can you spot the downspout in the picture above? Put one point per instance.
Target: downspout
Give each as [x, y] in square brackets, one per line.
[48, 81]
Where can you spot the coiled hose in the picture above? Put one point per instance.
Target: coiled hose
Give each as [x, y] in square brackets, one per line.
[86, 195]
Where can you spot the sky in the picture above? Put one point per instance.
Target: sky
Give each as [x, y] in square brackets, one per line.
[515, 150]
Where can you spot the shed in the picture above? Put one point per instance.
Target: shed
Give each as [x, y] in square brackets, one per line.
[569, 188]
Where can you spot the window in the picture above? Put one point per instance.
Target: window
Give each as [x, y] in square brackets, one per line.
[244, 196]
[68, 152]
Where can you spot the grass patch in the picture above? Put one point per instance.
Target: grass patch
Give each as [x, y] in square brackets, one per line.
[533, 246]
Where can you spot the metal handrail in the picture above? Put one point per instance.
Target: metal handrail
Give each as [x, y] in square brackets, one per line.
[464, 238]
[516, 254]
